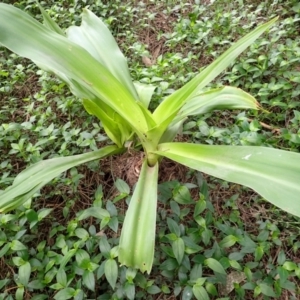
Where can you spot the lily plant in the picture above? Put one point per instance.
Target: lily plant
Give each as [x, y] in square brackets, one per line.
[89, 60]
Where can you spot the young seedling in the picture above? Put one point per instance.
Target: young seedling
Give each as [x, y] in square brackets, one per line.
[89, 60]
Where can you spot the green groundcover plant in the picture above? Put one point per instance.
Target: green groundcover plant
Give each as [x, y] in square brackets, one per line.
[89, 60]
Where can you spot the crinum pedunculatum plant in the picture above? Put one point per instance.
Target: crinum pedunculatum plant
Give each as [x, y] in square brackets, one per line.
[89, 60]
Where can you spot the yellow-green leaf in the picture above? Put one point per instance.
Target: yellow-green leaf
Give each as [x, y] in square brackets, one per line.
[273, 173]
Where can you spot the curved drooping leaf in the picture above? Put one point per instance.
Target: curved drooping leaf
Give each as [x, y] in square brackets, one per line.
[94, 36]
[173, 103]
[31, 180]
[136, 248]
[273, 173]
[114, 125]
[28, 38]
[222, 98]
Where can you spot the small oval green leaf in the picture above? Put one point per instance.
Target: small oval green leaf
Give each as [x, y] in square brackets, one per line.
[24, 273]
[89, 280]
[228, 241]
[215, 265]
[17, 246]
[111, 272]
[200, 293]
[66, 293]
[178, 249]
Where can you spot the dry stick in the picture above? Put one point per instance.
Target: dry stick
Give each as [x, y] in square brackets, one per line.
[264, 125]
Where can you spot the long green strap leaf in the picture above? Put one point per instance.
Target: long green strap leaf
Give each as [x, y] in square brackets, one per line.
[273, 173]
[31, 180]
[172, 104]
[136, 248]
[222, 98]
[28, 38]
[117, 130]
[94, 36]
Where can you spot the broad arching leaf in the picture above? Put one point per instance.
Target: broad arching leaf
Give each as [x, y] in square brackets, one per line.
[172, 104]
[273, 173]
[226, 97]
[32, 179]
[28, 38]
[94, 36]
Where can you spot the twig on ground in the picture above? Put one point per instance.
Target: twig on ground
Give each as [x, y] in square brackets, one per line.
[264, 125]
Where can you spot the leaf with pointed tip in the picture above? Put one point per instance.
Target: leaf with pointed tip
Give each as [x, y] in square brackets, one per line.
[215, 265]
[111, 272]
[94, 36]
[28, 38]
[178, 249]
[28, 182]
[200, 292]
[222, 98]
[273, 173]
[24, 273]
[173, 103]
